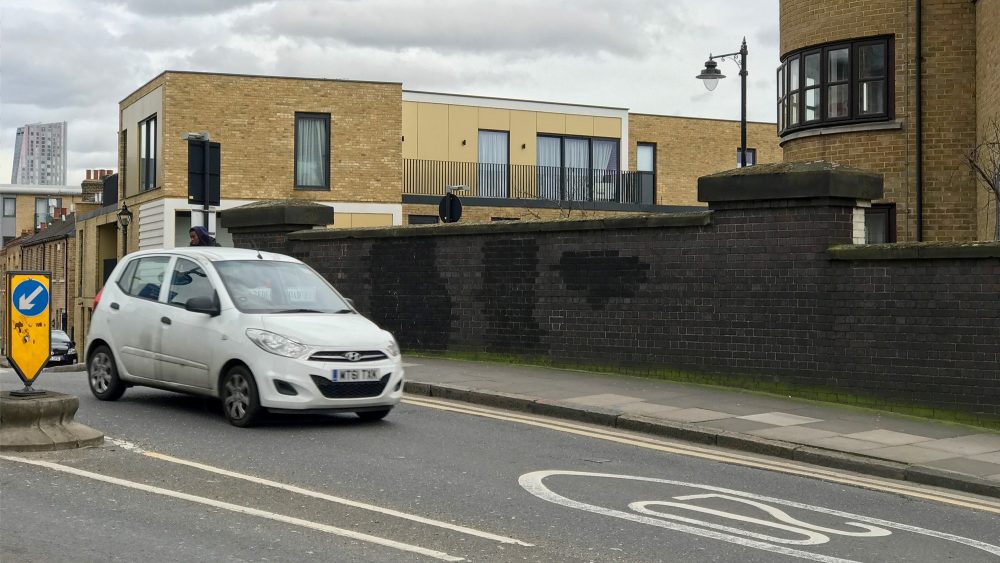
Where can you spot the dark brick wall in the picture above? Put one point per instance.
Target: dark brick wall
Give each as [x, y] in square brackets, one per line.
[755, 297]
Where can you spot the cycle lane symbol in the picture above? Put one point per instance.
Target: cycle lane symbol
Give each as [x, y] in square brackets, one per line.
[739, 517]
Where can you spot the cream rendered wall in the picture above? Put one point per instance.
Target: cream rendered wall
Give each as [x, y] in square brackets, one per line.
[147, 106]
[433, 131]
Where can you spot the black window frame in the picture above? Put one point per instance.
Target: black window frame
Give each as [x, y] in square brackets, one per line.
[147, 153]
[652, 146]
[326, 157]
[590, 157]
[854, 82]
[889, 211]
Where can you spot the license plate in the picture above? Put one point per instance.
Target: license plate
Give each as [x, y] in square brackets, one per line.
[340, 375]
[56, 358]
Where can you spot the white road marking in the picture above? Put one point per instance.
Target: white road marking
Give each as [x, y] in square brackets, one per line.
[239, 509]
[647, 442]
[532, 482]
[314, 494]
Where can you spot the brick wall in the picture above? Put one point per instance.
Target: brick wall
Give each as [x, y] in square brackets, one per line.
[258, 141]
[751, 295]
[949, 112]
[987, 97]
[688, 148]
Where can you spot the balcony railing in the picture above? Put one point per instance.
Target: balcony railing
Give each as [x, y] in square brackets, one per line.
[521, 181]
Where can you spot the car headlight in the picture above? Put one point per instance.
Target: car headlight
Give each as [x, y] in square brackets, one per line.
[276, 343]
[392, 347]
[71, 351]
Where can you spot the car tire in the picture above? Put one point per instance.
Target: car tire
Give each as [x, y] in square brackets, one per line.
[102, 375]
[372, 416]
[240, 401]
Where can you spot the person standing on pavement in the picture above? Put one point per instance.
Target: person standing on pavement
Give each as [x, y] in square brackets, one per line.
[200, 237]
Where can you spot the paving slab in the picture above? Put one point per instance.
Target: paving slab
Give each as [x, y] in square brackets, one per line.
[648, 409]
[966, 465]
[973, 444]
[843, 444]
[909, 454]
[780, 418]
[992, 457]
[888, 437]
[695, 415]
[797, 434]
[737, 425]
[605, 400]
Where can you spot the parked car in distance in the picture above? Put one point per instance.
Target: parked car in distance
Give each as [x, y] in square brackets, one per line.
[260, 331]
[62, 349]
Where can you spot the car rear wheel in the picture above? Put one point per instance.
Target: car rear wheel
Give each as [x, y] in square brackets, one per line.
[371, 416]
[102, 375]
[240, 400]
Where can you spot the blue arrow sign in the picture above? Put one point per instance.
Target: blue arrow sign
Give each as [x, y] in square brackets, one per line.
[30, 298]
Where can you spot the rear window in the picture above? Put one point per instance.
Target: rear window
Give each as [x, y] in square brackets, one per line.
[142, 277]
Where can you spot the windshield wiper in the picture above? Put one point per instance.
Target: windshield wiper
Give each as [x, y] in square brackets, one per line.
[343, 311]
[299, 311]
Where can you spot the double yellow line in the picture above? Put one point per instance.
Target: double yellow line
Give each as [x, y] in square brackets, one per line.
[650, 443]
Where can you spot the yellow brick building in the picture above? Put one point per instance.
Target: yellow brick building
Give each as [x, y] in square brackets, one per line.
[862, 84]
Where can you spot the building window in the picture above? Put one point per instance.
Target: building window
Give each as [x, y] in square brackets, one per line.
[9, 207]
[422, 219]
[147, 154]
[751, 157]
[312, 151]
[844, 82]
[880, 223]
[645, 166]
[45, 209]
[494, 151]
[578, 168]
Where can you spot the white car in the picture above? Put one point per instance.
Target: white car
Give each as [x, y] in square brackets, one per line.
[260, 331]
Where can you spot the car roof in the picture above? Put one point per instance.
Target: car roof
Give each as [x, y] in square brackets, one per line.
[216, 253]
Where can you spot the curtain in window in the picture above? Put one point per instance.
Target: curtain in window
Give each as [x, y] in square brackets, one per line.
[493, 163]
[549, 168]
[577, 169]
[605, 172]
[310, 157]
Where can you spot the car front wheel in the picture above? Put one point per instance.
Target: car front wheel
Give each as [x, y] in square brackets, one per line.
[102, 374]
[240, 401]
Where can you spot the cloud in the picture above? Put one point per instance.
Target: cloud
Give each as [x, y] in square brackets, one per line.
[73, 60]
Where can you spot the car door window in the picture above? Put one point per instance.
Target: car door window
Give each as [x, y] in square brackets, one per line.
[188, 280]
[146, 278]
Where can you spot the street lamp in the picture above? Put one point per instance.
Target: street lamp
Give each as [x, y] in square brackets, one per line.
[124, 219]
[711, 75]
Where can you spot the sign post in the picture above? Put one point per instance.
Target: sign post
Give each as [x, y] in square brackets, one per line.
[29, 330]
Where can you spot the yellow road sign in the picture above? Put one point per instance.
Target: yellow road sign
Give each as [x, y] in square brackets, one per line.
[28, 332]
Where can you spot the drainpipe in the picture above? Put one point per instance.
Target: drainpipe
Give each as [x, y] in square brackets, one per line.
[920, 125]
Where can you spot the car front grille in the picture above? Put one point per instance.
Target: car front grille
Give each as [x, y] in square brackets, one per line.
[350, 389]
[338, 356]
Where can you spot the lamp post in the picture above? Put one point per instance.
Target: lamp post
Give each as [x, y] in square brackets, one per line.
[711, 75]
[124, 219]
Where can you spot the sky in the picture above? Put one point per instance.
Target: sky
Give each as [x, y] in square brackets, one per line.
[74, 60]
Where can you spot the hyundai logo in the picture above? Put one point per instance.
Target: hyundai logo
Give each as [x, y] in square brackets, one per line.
[352, 356]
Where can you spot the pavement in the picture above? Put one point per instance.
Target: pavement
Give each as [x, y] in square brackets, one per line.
[879, 443]
[884, 444]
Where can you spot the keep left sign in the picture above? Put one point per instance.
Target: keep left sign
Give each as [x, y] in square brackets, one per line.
[28, 332]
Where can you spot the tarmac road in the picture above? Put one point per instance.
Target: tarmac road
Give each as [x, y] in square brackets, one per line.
[178, 483]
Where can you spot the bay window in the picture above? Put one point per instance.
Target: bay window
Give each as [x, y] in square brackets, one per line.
[842, 82]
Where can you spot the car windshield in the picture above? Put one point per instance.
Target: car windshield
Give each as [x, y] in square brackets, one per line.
[270, 286]
[60, 336]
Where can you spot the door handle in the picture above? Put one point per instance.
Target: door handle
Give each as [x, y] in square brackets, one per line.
[165, 320]
[114, 305]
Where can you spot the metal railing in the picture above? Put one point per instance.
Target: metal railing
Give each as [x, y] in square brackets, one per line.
[522, 181]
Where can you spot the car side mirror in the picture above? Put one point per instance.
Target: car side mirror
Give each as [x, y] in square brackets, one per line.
[208, 305]
[350, 302]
